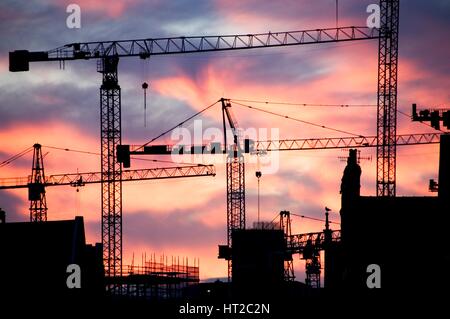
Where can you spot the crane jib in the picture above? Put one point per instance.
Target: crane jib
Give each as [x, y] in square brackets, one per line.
[19, 60]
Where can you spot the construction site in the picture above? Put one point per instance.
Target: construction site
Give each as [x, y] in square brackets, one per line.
[364, 246]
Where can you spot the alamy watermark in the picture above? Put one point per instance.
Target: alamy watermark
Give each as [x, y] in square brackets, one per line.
[374, 278]
[74, 278]
[73, 20]
[373, 20]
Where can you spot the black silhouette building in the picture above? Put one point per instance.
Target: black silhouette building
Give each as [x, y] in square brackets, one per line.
[406, 236]
[258, 261]
[35, 257]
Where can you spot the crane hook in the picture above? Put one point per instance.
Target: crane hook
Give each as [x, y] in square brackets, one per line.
[145, 87]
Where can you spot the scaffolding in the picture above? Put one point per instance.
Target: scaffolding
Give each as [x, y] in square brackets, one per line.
[155, 279]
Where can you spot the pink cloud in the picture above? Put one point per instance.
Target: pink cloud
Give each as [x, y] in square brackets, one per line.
[255, 16]
[4, 65]
[348, 76]
[112, 9]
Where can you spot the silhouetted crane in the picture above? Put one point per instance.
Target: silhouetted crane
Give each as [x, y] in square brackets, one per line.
[37, 181]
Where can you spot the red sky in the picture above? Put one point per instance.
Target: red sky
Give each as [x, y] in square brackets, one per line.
[188, 217]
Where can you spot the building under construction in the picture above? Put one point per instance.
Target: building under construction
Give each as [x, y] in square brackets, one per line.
[157, 280]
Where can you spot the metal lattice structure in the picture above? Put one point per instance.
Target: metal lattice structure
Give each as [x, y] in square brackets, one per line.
[158, 280]
[298, 242]
[36, 193]
[309, 246]
[387, 97]
[81, 179]
[294, 144]
[235, 179]
[342, 142]
[285, 225]
[145, 48]
[111, 170]
[313, 270]
[235, 195]
[235, 198]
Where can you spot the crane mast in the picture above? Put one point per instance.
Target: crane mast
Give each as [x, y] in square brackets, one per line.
[235, 179]
[36, 193]
[111, 195]
[387, 97]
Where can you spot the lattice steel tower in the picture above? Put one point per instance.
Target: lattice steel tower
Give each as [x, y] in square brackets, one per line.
[387, 97]
[111, 169]
[235, 179]
[36, 189]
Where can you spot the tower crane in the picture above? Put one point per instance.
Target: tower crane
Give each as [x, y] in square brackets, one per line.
[387, 97]
[308, 246]
[38, 181]
[108, 53]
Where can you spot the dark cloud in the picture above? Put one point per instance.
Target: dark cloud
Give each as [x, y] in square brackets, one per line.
[423, 27]
[40, 104]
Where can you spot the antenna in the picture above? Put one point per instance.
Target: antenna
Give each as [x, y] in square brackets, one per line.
[358, 157]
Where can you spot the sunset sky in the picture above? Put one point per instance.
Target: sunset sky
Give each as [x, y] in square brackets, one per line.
[187, 217]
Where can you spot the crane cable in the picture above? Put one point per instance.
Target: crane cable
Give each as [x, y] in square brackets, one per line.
[302, 104]
[322, 105]
[178, 125]
[17, 156]
[313, 218]
[298, 120]
[307, 217]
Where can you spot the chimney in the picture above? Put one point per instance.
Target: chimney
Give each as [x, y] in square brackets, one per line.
[351, 186]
